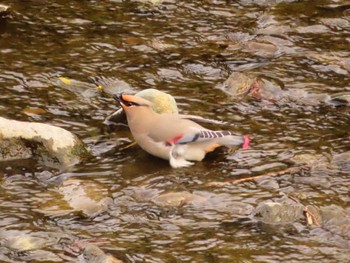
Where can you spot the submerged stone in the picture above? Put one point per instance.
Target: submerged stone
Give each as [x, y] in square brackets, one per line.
[160, 45]
[341, 162]
[336, 220]
[74, 195]
[278, 213]
[178, 199]
[237, 84]
[93, 254]
[340, 99]
[4, 9]
[85, 196]
[260, 48]
[22, 241]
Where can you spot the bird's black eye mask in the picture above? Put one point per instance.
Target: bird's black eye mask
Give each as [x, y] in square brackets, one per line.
[120, 99]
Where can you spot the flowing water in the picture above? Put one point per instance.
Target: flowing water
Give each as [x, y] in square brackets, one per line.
[185, 48]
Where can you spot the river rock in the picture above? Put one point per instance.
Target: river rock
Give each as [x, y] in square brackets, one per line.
[237, 84]
[113, 87]
[340, 99]
[336, 220]
[260, 48]
[85, 91]
[178, 199]
[93, 254]
[341, 162]
[338, 23]
[86, 196]
[161, 45]
[74, 195]
[22, 241]
[39, 256]
[314, 29]
[13, 149]
[3, 10]
[202, 70]
[59, 145]
[267, 90]
[278, 213]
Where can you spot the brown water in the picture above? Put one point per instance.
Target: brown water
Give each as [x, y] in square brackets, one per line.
[308, 47]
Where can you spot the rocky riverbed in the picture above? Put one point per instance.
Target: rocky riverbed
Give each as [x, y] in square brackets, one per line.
[275, 70]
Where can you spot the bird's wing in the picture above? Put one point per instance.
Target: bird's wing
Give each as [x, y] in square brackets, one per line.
[204, 135]
[201, 120]
[180, 129]
[200, 136]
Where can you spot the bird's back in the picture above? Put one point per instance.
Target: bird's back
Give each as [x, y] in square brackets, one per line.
[169, 126]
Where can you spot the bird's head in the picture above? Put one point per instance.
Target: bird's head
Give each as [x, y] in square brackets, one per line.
[130, 102]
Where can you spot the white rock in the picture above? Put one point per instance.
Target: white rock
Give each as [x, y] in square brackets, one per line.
[62, 144]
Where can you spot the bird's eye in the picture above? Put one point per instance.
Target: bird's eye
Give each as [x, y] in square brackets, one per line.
[130, 103]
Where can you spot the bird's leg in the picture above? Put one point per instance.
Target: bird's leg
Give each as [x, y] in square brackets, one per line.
[176, 158]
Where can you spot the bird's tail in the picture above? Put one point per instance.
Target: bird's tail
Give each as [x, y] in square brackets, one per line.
[229, 139]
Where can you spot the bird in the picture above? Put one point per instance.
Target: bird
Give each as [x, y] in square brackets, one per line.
[174, 137]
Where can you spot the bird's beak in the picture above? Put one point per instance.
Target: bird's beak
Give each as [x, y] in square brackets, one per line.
[119, 98]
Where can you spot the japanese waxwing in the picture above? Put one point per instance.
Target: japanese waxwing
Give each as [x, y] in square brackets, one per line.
[173, 137]
[161, 103]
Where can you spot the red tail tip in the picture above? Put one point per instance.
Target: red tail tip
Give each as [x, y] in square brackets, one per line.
[246, 142]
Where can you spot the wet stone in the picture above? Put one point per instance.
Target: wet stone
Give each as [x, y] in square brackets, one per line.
[316, 29]
[309, 159]
[200, 69]
[340, 99]
[313, 181]
[341, 162]
[14, 149]
[23, 241]
[339, 23]
[169, 74]
[89, 197]
[268, 183]
[56, 146]
[336, 219]
[274, 30]
[270, 90]
[278, 213]
[161, 45]
[3, 9]
[93, 254]
[178, 199]
[237, 84]
[259, 48]
[74, 195]
[40, 256]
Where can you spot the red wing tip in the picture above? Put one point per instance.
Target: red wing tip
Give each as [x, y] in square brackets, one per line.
[173, 140]
[246, 142]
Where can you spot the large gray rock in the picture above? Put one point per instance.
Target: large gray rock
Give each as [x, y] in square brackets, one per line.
[50, 142]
